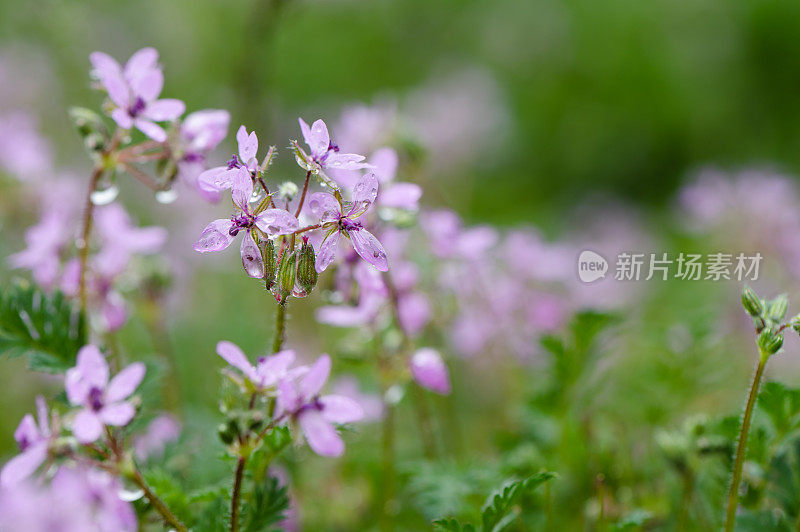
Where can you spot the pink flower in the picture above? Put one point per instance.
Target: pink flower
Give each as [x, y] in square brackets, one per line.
[316, 415]
[430, 371]
[200, 132]
[219, 234]
[33, 440]
[162, 430]
[221, 178]
[121, 240]
[134, 89]
[266, 374]
[103, 402]
[324, 153]
[331, 212]
[24, 153]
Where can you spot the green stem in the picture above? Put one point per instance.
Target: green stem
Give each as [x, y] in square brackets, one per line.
[237, 489]
[86, 230]
[157, 503]
[280, 326]
[741, 447]
[387, 485]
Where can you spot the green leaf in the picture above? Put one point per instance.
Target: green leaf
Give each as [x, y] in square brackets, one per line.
[266, 507]
[215, 517]
[47, 328]
[781, 404]
[452, 525]
[496, 514]
[170, 491]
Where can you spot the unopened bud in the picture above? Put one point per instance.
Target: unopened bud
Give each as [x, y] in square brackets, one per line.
[87, 122]
[776, 309]
[287, 273]
[256, 421]
[269, 257]
[306, 267]
[769, 342]
[795, 323]
[225, 433]
[752, 303]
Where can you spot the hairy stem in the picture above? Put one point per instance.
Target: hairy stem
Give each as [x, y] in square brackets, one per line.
[157, 503]
[303, 195]
[237, 489]
[280, 326]
[86, 230]
[741, 447]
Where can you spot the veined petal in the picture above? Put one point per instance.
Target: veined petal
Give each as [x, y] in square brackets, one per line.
[117, 414]
[320, 434]
[365, 192]
[251, 257]
[164, 109]
[320, 139]
[346, 161]
[23, 465]
[216, 179]
[327, 251]
[234, 356]
[87, 426]
[324, 206]
[315, 379]
[215, 236]
[151, 129]
[242, 189]
[248, 144]
[125, 382]
[277, 222]
[369, 248]
[340, 409]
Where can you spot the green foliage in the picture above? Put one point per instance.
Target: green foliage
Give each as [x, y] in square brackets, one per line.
[499, 511]
[215, 517]
[266, 505]
[47, 328]
[170, 491]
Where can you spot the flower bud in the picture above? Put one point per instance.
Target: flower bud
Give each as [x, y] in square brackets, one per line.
[752, 303]
[269, 257]
[795, 323]
[306, 267]
[89, 124]
[225, 433]
[776, 309]
[287, 273]
[769, 342]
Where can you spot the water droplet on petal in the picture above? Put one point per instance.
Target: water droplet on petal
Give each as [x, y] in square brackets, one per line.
[104, 196]
[166, 197]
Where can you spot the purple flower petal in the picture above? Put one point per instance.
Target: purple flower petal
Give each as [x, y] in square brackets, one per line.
[23, 465]
[151, 129]
[270, 369]
[122, 118]
[385, 162]
[365, 192]
[148, 86]
[236, 358]
[277, 222]
[125, 382]
[320, 435]
[42, 415]
[413, 312]
[340, 409]
[315, 379]
[27, 432]
[324, 206]
[141, 63]
[248, 144]
[346, 161]
[90, 371]
[327, 251]
[401, 196]
[87, 426]
[165, 109]
[215, 236]
[317, 137]
[369, 248]
[242, 189]
[118, 415]
[104, 65]
[430, 371]
[251, 257]
[287, 399]
[216, 179]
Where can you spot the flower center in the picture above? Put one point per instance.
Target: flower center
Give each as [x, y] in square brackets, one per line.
[96, 398]
[244, 221]
[234, 162]
[137, 107]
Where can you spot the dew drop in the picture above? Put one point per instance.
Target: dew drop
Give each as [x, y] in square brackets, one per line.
[166, 197]
[104, 196]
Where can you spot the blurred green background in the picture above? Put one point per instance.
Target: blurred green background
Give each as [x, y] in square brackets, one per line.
[620, 96]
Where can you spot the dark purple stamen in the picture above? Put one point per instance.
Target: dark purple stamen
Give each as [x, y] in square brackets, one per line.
[191, 157]
[332, 146]
[234, 162]
[137, 107]
[96, 399]
[314, 404]
[346, 224]
[245, 221]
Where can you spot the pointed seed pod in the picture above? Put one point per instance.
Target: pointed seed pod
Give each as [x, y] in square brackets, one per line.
[287, 273]
[776, 309]
[307, 267]
[769, 342]
[269, 257]
[752, 303]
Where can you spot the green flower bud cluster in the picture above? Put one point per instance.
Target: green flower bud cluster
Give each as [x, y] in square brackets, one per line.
[768, 316]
